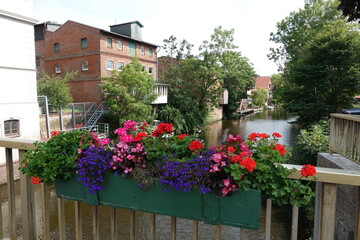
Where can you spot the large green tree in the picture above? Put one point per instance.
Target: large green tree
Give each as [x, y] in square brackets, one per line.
[55, 88]
[198, 81]
[129, 93]
[299, 28]
[326, 75]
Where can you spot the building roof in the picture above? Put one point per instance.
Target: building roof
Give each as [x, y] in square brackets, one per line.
[263, 82]
[137, 22]
[106, 31]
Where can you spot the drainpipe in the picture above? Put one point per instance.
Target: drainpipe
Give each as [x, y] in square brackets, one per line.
[157, 64]
[47, 121]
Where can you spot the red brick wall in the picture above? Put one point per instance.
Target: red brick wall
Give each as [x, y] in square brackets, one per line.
[85, 88]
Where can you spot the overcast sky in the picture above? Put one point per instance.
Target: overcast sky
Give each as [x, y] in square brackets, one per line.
[193, 20]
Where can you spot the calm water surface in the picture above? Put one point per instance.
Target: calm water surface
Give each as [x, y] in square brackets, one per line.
[267, 121]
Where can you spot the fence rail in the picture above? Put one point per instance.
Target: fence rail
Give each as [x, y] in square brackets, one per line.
[329, 177]
[345, 136]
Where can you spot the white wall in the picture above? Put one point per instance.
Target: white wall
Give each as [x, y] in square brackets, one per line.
[18, 98]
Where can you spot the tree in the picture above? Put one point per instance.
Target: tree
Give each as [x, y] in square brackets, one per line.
[177, 49]
[351, 9]
[129, 93]
[55, 88]
[299, 28]
[198, 81]
[326, 75]
[259, 97]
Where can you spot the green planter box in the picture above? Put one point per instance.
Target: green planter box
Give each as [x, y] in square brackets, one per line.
[242, 209]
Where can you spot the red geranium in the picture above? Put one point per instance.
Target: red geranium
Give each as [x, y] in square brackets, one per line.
[35, 180]
[139, 136]
[280, 148]
[275, 134]
[54, 133]
[195, 145]
[181, 136]
[248, 163]
[308, 170]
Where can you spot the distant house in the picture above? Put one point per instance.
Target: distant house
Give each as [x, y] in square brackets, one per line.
[263, 82]
[92, 52]
[19, 110]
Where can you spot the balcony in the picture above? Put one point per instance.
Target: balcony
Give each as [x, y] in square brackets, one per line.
[29, 212]
[161, 90]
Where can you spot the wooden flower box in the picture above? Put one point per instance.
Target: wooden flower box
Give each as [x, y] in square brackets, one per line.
[241, 209]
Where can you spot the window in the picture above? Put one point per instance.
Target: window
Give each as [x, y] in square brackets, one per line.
[143, 50]
[143, 68]
[120, 45]
[85, 66]
[120, 65]
[132, 49]
[37, 62]
[109, 42]
[56, 47]
[150, 52]
[109, 65]
[84, 43]
[151, 70]
[57, 68]
[11, 128]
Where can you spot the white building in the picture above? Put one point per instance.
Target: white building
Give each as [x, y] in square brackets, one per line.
[19, 111]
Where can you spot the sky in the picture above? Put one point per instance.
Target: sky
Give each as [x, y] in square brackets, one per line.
[192, 20]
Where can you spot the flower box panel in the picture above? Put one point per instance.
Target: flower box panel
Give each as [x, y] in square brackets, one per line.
[241, 209]
[125, 193]
[73, 189]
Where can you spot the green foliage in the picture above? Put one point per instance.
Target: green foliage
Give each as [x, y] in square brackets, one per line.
[321, 65]
[55, 88]
[310, 142]
[129, 93]
[55, 158]
[172, 115]
[271, 177]
[326, 77]
[198, 81]
[259, 97]
[299, 28]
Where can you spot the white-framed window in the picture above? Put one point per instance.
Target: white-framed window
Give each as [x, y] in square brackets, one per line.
[143, 67]
[12, 128]
[120, 45]
[151, 70]
[109, 42]
[110, 65]
[150, 52]
[85, 65]
[120, 65]
[143, 50]
[57, 68]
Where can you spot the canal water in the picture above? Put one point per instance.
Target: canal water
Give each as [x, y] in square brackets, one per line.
[267, 121]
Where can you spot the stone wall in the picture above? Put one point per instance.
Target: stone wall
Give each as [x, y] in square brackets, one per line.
[347, 202]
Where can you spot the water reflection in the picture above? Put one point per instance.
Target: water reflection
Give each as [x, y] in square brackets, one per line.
[267, 121]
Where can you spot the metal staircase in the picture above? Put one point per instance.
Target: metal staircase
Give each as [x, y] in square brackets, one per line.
[100, 110]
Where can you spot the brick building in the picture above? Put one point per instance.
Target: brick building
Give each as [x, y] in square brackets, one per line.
[92, 52]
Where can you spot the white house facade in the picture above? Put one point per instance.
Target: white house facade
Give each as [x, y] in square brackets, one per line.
[19, 111]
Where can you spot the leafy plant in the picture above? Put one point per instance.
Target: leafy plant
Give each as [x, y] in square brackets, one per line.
[57, 157]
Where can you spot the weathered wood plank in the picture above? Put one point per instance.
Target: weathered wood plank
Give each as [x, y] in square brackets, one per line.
[328, 212]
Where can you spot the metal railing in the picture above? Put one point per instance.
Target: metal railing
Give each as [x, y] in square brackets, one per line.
[345, 136]
[329, 177]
